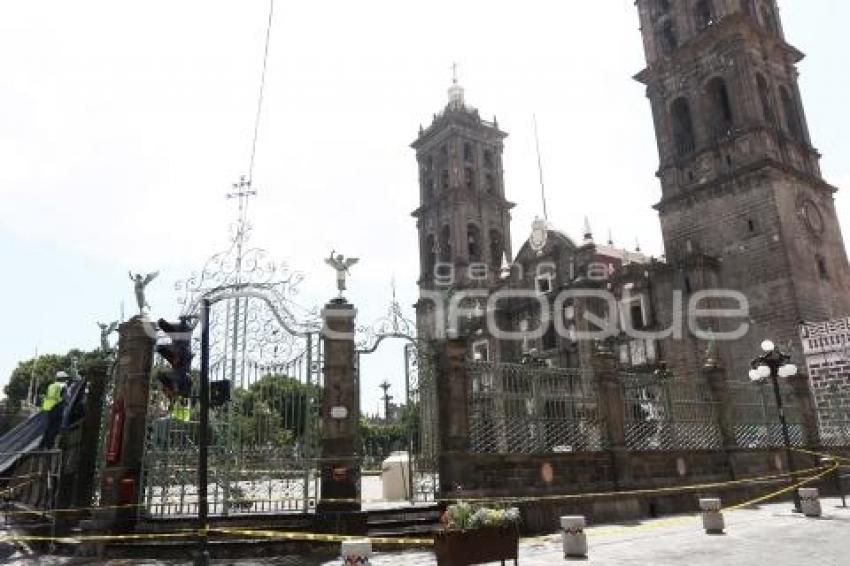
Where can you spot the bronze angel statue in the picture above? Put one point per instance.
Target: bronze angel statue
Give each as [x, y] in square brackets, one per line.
[341, 264]
[139, 284]
[105, 331]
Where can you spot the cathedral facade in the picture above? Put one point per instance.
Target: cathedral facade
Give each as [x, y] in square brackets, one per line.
[751, 236]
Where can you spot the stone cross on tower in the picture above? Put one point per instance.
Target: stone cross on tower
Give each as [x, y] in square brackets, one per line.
[455, 91]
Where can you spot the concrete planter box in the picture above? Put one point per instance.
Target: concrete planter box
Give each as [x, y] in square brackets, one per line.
[477, 546]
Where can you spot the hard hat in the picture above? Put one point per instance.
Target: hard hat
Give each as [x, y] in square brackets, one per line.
[61, 375]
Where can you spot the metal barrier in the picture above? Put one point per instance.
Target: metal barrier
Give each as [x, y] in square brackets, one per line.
[835, 433]
[756, 417]
[34, 483]
[521, 409]
[669, 414]
[262, 444]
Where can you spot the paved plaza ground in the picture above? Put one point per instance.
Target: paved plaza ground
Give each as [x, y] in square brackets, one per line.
[770, 535]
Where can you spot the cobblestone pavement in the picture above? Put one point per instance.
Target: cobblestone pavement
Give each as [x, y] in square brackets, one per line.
[767, 536]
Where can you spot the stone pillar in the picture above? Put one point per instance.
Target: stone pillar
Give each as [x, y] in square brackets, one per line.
[125, 441]
[803, 395]
[452, 416]
[716, 378]
[340, 463]
[612, 412]
[718, 384]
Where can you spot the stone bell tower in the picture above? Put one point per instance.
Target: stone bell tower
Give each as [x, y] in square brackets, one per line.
[740, 178]
[463, 219]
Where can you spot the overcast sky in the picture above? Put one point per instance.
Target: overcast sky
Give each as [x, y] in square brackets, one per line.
[122, 126]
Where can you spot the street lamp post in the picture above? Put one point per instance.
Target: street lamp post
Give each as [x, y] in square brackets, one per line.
[773, 364]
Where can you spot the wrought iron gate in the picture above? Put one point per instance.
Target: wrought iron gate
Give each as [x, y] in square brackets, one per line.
[263, 441]
[423, 444]
[419, 413]
[262, 445]
[265, 389]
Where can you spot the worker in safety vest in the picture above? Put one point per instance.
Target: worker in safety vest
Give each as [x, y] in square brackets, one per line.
[180, 411]
[54, 391]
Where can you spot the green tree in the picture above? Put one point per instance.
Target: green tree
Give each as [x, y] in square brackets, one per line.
[273, 411]
[42, 370]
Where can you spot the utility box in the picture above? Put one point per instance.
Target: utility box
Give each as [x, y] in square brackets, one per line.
[395, 477]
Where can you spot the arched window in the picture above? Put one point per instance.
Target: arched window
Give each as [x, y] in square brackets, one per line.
[766, 101]
[667, 37]
[792, 115]
[473, 238]
[768, 18]
[703, 14]
[445, 244]
[721, 106]
[467, 152]
[496, 250]
[430, 257]
[683, 126]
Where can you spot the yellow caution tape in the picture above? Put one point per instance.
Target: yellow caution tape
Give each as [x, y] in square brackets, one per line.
[822, 455]
[675, 521]
[782, 491]
[99, 538]
[320, 537]
[672, 489]
[819, 472]
[641, 492]
[74, 509]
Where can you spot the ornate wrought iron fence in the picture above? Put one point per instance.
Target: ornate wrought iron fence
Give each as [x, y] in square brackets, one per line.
[835, 432]
[668, 414]
[103, 433]
[523, 409]
[757, 418]
[424, 441]
[263, 443]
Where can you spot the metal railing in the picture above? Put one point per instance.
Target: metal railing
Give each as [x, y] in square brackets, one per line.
[522, 409]
[756, 416]
[669, 414]
[262, 444]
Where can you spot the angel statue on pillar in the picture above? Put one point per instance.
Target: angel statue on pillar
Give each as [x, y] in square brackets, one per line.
[341, 264]
[105, 331]
[139, 284]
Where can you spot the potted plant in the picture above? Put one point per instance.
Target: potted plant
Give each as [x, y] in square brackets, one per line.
[477, 534]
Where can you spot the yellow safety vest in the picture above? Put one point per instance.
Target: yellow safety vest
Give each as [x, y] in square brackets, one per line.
[180, 413]
[53, 396]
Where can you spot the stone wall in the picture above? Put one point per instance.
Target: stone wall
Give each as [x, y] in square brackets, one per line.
[595, 473]
[466, 474]
[827, 352]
